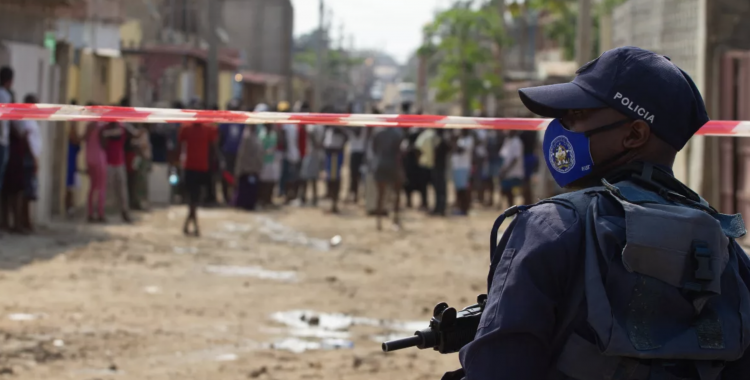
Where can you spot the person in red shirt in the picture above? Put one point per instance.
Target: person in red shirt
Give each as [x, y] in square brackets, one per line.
[197, 140]
[114, 135]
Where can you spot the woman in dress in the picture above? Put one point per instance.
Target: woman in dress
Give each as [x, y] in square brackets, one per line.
[96, 162]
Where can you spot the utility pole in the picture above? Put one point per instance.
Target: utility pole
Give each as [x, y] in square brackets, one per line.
[94, 78]
[319, 81]
[583, 37]
[422, 76]
[501, 8]
[212, 82]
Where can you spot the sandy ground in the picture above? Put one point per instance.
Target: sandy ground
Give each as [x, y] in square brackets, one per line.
[246, 300]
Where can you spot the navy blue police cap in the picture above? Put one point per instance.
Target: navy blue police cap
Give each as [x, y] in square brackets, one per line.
[640, 84]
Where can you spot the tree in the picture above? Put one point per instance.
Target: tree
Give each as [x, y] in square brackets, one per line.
[337, 63]
[565, 18]
[462, 40]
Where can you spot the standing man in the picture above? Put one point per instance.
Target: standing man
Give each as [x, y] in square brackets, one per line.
[247, 169]
[357, 148]
[197, 141]
[425, 145]
[31, 165]
[6, 83]
[333, 143]
[230, 136]
[294, 149]
[311, 159]
[512, 171]
[269, 173]
[439, 171]
[386, 146]
[633, 276]
[530, 162]
[115, 137]
[491, 167]
[463, 150]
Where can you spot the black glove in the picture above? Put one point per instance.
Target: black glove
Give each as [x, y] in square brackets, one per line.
[455, 375]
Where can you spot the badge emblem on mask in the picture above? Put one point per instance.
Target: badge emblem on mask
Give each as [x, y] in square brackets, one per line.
[562, 157]
[561, 146]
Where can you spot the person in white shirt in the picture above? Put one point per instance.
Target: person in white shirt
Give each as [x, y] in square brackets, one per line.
[311, 163]
[30, 128]
[512, 171]
[461, 163]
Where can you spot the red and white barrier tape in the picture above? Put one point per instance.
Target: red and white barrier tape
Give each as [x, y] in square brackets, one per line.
[56, 112]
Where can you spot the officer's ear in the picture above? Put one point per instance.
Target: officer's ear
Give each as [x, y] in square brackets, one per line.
[638, 135]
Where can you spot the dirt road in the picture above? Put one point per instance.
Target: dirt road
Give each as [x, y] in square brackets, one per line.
[259, 295]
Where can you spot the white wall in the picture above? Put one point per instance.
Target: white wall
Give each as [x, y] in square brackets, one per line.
[33, 74]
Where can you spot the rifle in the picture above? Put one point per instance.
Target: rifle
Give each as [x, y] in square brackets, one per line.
[449, 329]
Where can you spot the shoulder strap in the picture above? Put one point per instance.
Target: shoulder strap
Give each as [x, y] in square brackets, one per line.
[576, 291]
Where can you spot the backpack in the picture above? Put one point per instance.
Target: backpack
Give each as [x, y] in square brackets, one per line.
[673, 295]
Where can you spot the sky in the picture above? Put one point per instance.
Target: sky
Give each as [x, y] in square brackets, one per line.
[394, 26]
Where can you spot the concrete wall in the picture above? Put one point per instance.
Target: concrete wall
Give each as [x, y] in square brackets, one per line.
[727, 29]
[226, 81]
[116, 85]
[674, 28]
[35, 75]
[263, 29]
[131, 34]
[20, 24]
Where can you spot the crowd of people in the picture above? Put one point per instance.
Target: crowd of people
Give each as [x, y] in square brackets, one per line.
[261, 167]
[117, 158]
[270, 166]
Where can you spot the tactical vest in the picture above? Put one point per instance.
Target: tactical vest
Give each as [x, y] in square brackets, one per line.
[673, 295]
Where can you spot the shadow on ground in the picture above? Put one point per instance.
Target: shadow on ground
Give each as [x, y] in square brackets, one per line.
[47, 242]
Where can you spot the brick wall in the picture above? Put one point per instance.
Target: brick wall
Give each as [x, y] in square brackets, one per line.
[263, 29]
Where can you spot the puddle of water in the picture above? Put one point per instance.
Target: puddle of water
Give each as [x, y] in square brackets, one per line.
[280, 233]
[185, 250]
[226, 357]
[308, 330]
[22, 317]
[152, 290]
[308, 333]
[251, 271]
[305, 319]
[236, 227]
[299, 346]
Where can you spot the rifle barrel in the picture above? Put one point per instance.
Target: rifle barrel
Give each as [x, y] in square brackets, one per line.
[400, 344]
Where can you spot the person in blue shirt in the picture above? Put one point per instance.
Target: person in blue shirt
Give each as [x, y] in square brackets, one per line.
[230, 137]
[628, 106]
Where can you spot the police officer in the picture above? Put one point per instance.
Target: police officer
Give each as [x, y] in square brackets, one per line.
[624, 117]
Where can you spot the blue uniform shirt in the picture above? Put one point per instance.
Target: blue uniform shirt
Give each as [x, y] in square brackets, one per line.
[544, 252]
